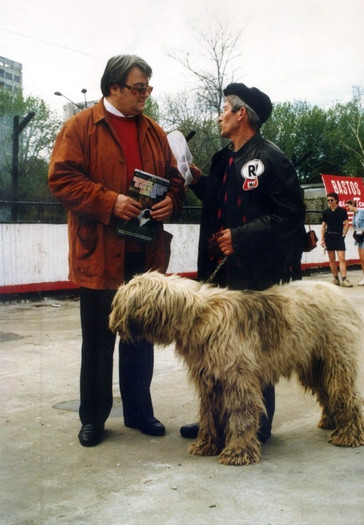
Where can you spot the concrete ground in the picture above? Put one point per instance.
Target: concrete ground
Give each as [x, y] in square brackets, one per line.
[130, 478]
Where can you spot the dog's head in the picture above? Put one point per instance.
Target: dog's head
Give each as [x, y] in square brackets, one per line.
[152, 306]
[126, 312]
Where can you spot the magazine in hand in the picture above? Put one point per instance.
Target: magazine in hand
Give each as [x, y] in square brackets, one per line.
[147, 189]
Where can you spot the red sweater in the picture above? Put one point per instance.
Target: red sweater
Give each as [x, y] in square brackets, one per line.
[126, 130]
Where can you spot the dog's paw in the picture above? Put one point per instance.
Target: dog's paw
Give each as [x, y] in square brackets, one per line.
[233, 455]
[347, 437]
[204, 448]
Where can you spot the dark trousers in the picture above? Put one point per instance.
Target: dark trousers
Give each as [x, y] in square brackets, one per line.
[293, 268]
[135, 363]
[249, 279]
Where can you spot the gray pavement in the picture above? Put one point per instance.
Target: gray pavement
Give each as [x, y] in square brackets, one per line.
[48, 478]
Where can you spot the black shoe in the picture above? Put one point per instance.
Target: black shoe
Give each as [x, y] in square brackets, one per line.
[150, 426]
[90, 435]
[189, 431]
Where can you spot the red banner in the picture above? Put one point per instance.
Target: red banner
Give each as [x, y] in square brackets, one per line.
[346, 187]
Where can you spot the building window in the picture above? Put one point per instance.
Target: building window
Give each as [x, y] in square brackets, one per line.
[2, 73]
[16, 78]
[8, 76]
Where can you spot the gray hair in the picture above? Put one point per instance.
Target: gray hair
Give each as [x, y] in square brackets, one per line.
[236, 103]
[117, 70]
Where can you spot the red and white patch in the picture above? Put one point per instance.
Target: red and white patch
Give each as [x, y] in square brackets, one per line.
[250, 173]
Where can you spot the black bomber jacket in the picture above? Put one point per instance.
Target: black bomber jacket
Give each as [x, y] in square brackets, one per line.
[267, 185]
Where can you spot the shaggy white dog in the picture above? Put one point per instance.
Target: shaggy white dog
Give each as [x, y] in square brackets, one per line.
[235, 343]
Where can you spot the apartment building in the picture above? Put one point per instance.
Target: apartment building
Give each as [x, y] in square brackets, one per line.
[11, 76]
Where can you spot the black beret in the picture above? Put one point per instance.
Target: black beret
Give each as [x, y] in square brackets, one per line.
[255, 98]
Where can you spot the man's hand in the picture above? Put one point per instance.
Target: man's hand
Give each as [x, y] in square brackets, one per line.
[224, 241]
[162, 210]
[126, 208]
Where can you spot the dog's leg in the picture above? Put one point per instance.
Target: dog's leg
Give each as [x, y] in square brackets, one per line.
[327, 420]
[242, 450]
[349, 430]
[244, 406]
[348, 414]
[312, 378]
[344, 405]
[208, 442]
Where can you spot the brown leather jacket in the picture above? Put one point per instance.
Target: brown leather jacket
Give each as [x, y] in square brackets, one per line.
[87, 171]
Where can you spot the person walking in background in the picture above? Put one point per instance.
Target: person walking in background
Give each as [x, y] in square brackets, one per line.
[358, 223]
[334, 228]
[92, 164]
[252, 205]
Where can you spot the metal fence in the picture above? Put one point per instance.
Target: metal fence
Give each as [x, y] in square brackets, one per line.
[53, 213]
[31, 212]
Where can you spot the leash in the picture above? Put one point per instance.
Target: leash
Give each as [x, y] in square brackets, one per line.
[217, 269]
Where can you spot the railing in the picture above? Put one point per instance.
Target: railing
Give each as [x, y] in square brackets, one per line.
[31, 212]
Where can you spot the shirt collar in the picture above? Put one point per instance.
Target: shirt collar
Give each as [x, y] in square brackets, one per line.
[112, 109]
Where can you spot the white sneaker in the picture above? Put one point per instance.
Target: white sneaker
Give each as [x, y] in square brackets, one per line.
[346, 283]
[361, 283]
[336, 281]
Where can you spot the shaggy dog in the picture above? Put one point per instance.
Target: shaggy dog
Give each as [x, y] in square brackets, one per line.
[235, 343]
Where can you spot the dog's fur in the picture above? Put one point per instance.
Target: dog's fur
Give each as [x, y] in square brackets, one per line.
[235, 343]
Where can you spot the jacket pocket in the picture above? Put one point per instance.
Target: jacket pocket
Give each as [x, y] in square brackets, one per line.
[87, 237]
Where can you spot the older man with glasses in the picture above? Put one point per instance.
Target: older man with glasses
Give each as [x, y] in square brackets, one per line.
[91, 168]
[334, 227]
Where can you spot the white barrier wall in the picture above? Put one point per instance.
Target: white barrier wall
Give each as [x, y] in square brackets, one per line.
[33, 253]
[37, 253]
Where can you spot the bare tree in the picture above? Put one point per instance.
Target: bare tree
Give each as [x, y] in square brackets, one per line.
[211, 69]
[352, 115]
[214, 68]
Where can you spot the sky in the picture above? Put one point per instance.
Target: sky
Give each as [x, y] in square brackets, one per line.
[310, 50]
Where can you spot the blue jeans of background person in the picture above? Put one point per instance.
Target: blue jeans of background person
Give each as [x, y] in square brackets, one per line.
[98, 342]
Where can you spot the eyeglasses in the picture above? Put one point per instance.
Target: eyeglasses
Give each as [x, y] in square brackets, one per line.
[330, 200]
[139, 89]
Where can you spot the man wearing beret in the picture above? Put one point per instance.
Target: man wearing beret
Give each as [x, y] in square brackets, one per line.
[252, 205]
